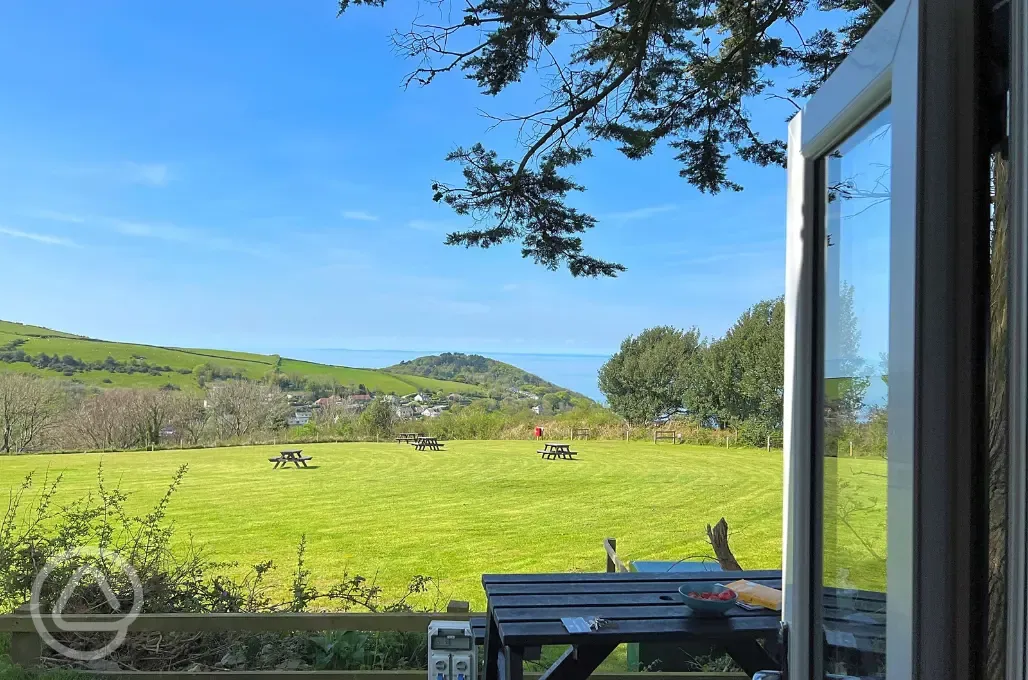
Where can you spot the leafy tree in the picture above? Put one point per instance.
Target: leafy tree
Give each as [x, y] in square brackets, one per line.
[637, 73]
[377, 419]
[651, 377]
[742, 375]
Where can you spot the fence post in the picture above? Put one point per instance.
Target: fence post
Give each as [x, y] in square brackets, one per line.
[851, 449]
[611, 543]
[26, 647]
[458, 607]
[769, 443]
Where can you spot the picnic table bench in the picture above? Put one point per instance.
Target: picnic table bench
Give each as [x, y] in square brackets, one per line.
[665, 434]
[554, 450]
[290, 456]
[407, 437]
[525, 612]
[422, 443]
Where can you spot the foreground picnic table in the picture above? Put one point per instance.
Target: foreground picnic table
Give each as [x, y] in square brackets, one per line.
[554, 450]
[293, 456]
[422, 443]
[525, 612]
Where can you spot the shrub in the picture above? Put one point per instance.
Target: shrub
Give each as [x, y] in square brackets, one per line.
[34, 531]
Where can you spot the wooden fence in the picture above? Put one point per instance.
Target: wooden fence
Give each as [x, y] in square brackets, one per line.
[27, 646]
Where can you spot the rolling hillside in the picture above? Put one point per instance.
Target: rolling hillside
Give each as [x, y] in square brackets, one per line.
[101, 363]
[475, 369]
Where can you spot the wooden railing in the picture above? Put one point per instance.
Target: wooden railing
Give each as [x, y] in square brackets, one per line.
[26, 646]
[614, 563]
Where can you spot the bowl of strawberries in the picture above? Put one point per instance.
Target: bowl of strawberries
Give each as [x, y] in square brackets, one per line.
[708, 599]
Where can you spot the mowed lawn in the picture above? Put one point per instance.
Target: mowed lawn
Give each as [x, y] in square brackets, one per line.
[388, 512]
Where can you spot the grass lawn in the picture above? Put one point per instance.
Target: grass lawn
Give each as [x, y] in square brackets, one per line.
[389, 512]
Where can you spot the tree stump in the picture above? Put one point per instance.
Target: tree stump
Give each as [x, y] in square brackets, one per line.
[718, 537]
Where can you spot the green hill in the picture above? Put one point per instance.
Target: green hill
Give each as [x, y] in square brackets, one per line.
[102, 363]
[478, 370]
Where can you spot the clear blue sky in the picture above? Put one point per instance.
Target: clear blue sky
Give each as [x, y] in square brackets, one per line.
[252, 175]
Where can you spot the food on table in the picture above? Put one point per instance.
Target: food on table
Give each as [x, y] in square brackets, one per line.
[724, 596]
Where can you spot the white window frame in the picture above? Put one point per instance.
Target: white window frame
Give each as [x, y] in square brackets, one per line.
[881, 70]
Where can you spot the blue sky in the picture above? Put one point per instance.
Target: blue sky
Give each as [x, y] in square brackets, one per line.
[252, 175]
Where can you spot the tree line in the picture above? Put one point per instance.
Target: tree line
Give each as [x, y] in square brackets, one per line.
[45, 414]
[734, 382]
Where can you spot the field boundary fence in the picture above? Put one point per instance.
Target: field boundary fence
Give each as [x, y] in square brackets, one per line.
[26, 647]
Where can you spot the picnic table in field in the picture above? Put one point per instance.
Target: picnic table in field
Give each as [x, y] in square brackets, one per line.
[422, 443]
[407, 437]
[294, 456]
[554, 450]
[525, 612]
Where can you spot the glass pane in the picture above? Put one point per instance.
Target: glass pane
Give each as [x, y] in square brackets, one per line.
[856, 342]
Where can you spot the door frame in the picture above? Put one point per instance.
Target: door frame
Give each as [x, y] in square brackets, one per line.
[939, 297]
[881, 70]
[1017, 471]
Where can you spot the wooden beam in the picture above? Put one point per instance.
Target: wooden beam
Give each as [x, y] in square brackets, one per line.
[284, 621]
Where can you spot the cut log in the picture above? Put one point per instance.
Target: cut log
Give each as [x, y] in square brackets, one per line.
[718, 536]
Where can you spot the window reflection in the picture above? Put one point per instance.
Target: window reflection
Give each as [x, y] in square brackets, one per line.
[855, 397]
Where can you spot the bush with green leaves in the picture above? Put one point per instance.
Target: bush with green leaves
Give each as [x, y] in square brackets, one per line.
[177, 577]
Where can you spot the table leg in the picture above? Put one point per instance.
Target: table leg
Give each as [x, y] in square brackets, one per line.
[492, 648]
[578, 662]
[749, 655]
[513, 663]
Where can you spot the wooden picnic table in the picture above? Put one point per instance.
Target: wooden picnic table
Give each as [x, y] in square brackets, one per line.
[525, 612]
[293, 456]
[554, 450]
[407, 437]
[422, 443]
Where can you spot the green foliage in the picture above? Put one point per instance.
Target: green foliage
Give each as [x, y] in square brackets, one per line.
[651, 376]
[377, 419]
[470, 422]
[638, 73]
[742, 375]
[176, 576]
[40, 351]
[477, 370]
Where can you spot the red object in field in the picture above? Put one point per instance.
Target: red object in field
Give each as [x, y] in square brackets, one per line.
[538, 432]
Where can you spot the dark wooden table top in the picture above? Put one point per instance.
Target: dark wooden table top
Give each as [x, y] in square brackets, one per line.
[646, 607]
[291, 452]
[556, 445]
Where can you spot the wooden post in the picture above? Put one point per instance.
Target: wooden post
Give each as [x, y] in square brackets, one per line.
[26, 647]
[769, 443]
[851, 449]
[611, 543]
[458, 607]
[654, 436]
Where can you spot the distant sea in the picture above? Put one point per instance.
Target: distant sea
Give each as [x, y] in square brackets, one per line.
[574, 371]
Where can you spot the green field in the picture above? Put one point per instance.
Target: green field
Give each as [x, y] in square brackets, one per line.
[253, 366]
[389, 512]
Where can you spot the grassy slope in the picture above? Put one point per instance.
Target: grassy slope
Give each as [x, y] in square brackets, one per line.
[400, 384]
[40, 340]
[387, 510]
